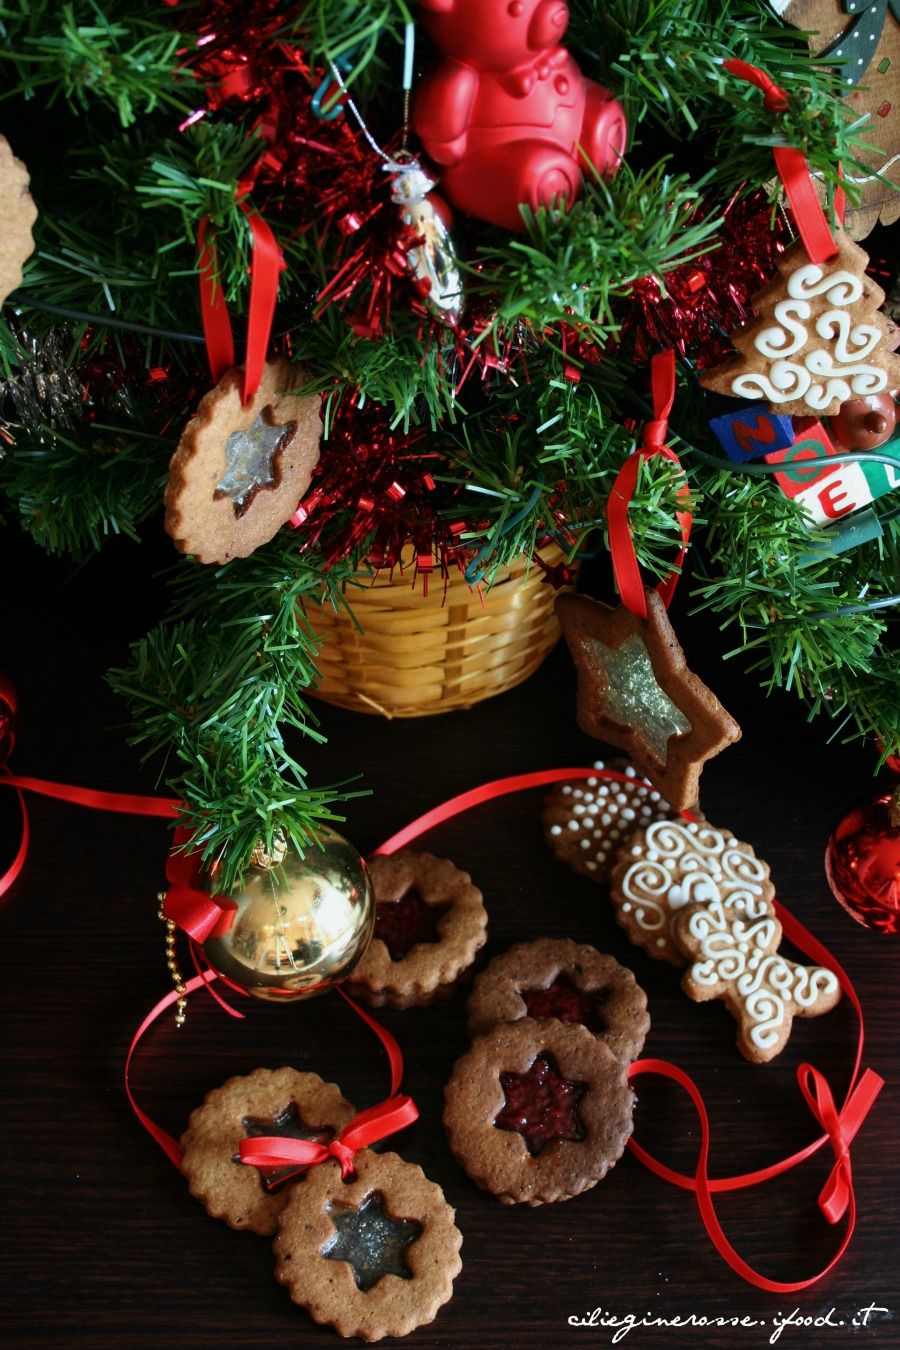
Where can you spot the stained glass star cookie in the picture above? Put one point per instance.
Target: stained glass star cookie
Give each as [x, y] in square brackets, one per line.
[636, 692]
[375, 1255]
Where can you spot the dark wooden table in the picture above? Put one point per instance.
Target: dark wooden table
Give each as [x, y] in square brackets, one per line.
[103, 1246]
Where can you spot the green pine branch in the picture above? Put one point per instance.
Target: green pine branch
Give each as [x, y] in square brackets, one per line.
[115, 54]
[213, 692]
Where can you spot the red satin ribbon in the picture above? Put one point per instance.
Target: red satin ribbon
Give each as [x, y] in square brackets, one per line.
[840, 1124]
[266, 264]
[9, 707]
[194, 910]
[371, 1125]
[793, 171]
[123, 803]
[621, 543]
[367, 1128]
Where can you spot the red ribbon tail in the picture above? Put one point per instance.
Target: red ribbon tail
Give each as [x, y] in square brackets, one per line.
[213, 308]
[836, 1194]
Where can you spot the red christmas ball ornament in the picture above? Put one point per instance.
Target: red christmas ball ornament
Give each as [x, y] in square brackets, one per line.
[507, 113]
[862, 863]
[864, 423]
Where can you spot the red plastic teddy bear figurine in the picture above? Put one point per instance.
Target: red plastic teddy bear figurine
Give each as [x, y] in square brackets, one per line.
[507, 113]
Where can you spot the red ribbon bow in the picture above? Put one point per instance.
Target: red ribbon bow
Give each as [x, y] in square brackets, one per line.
[377, 1122]
[621, 544]
[837, 1193]
[198, 913]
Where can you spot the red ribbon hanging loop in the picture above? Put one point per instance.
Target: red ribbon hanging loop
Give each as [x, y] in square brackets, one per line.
[267, 262]
[621, 544]
[793, 171]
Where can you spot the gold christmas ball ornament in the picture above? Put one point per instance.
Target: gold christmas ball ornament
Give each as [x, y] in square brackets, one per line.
[301, 924]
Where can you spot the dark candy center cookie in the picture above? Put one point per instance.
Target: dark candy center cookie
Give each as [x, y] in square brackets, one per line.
[567, 1003]
[541, 1105]
[402, 924]
[370, 1240]
[286, 1124]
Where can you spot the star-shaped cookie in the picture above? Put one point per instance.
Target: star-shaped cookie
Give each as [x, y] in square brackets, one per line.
[636, 692]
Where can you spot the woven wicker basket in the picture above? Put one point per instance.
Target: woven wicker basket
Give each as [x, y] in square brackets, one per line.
[419, 655]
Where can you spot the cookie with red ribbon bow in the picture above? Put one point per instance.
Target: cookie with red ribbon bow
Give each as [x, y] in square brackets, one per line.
[373, 1255]
[281, 1102]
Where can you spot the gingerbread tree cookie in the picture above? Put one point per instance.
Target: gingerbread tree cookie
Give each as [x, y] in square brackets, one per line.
[17, 215]
[735, 958]
[238, 472]
[818, 340]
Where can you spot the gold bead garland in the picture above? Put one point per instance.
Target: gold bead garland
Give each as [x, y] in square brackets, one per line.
[172, 963]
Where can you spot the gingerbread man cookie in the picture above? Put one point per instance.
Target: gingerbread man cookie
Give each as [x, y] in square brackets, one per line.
[735, 958]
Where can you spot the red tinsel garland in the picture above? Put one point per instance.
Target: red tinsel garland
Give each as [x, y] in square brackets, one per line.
[373, 489]
[695, 306]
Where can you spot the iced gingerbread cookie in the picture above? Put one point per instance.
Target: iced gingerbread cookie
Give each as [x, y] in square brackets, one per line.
[819, 339]
[430, 920]
[280, 1102]
[558, 978]
[674, 863]
[374, 1256]
[585, 822]
[238, 472]
[736, 958]
[537, 1111]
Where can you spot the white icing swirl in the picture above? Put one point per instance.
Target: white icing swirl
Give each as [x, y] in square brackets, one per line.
[710, 869]
[785, 382]
[775, 342]
[839, 288]
[733, 952]
[850, 343]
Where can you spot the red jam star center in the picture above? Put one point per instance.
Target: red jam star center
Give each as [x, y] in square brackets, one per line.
[541, 1106]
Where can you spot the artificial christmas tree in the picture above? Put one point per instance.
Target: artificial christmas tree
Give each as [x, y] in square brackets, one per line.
[179, 156]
